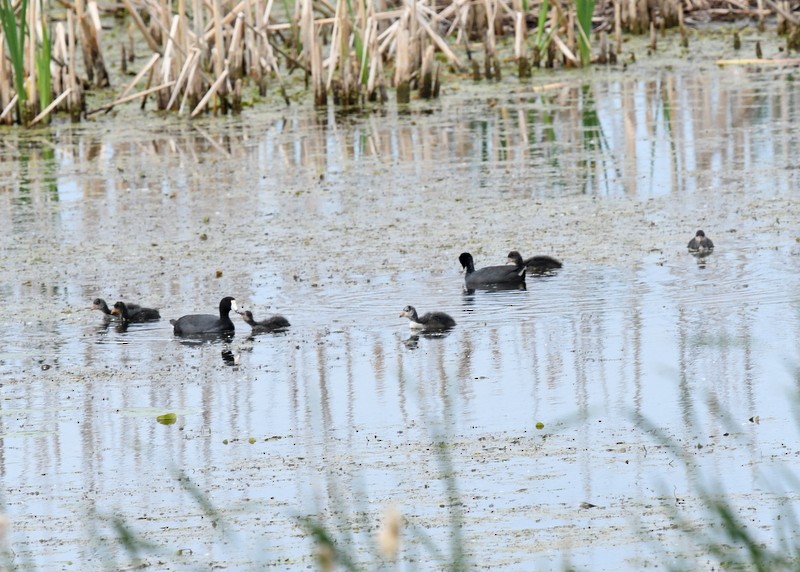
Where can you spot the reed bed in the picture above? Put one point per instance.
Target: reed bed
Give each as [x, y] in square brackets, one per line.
[210, 56]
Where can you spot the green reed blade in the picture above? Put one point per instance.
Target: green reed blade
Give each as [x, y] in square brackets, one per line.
[585, 10]
[14, 33]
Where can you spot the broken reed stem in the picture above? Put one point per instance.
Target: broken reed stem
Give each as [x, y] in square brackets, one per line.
[50, 107]
[121, 100]
[210, 93]
[342, 47]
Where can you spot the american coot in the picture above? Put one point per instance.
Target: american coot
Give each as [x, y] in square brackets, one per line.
[700, 243]
[138, 314]
[100, 304]
[199, 324]
[540, 263]
[271, 324]
[491, 276]
[429, 321]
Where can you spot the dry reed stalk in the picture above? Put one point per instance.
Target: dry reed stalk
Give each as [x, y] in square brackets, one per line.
[270, 63]
[198, 18]
[184, 73]
[121, 100]
[183, 34]
[402, 77]
[784, 10]
[8, 109]
[565, 51]
[219, 45]
[602, 48]
[190, 93]
[376, 86]
[5, 79]
[236, 100]
[339, 44]
[90, 44]
[618, 26]
[653, 40]
[60, 55]
[426, 73]
[570, 43]
[210, 93]
[491, 67]
[148, 66]
[440, 43]
[684, 35]
[520, 33]
[167, 62]
[312, 50]
[75, 101]
[137, 19]
[235, 57]
[32, 99]
[758, 61]
[50, 108]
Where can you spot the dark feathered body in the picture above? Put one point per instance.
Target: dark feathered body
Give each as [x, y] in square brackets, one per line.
[271, 324]
[700, 243]
[429, 321]
[540, 263]
[199, 324]
[491, 276]
[137, 314]
[100, 304]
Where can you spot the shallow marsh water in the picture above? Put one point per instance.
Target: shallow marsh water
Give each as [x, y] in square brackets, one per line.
[339, 222]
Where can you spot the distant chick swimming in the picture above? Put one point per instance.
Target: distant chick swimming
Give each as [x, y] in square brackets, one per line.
[432, 321]
[701, 243]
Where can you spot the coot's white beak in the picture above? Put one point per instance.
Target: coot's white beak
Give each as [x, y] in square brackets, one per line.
[234, 307]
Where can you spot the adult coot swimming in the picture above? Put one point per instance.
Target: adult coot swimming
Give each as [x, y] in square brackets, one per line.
[271, 324]
[539, 264]
[138, 314]
[430, 321]
[700, 243]
[198, 324]
[100, 304]
[491, 276]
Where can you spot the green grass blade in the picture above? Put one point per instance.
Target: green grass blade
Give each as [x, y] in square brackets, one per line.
[44, 83]
[541, 39]
[585, 10]
[14, 33]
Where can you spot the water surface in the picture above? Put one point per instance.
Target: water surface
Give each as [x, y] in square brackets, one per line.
[338, 223]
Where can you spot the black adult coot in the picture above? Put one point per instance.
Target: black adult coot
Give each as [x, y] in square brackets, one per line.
[100, 304]
[428, 322]
[199, 324]
[700, 243]
[491, 276]
[139, 314]
[540, 263]
[271, 324]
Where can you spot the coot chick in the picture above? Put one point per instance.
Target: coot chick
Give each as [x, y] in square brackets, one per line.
[539, 263]
[100, 304]
[271, 324]
[430, 321]
[199, 324]
[700, 243]
[138, 314]
[491, 276]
